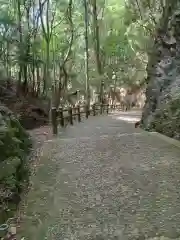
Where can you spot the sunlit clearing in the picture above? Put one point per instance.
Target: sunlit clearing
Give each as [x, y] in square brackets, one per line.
[127, 119]
[132, 117]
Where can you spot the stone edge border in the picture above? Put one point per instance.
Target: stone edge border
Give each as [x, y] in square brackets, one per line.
[166, 139]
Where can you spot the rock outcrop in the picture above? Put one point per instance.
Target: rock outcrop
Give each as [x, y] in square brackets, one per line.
[162, 108]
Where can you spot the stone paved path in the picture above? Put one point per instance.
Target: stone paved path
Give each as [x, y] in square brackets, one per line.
[103, 179]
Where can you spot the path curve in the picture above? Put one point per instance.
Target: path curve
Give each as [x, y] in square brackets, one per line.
[103, 179]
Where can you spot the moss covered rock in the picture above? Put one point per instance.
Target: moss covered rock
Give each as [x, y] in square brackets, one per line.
[14, 147]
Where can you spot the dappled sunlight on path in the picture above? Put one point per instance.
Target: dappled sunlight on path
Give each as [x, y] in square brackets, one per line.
[131, 117]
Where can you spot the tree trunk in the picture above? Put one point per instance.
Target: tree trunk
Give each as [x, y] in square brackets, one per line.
[97, 47]
[86, 54]
[20, 43]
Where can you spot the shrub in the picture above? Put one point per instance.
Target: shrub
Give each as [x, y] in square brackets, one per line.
[15, 144]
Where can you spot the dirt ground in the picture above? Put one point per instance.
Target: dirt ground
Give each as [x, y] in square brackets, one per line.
[103, 179]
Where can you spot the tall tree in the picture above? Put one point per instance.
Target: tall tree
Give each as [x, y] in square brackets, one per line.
[86, 21]
[97, 46]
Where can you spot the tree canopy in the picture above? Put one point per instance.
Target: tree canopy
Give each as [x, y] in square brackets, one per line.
[42, 42]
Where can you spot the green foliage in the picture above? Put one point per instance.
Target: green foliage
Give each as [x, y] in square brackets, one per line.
[12, 135]
[14, 147]
[125, 37]
[167, 119]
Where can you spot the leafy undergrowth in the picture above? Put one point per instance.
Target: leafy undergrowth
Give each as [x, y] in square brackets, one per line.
[15, 144]
[167, 120]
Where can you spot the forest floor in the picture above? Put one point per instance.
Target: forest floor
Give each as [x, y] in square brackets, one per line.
[103, 179]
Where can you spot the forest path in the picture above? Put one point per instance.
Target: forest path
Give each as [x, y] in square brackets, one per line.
[103, 179]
